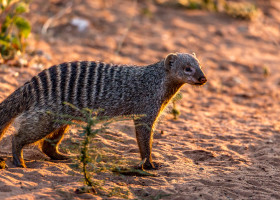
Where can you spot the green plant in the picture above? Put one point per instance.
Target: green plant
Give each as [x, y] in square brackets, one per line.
[191, 4]
[266, 71]
[118, 191]
[242, 10]
[14, 28]
[95, 159]
[175, 112]
[87, 132]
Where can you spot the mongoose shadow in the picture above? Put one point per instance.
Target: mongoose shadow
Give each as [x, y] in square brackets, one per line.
[116, 89]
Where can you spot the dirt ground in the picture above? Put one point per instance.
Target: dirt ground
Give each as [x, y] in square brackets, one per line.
[225, 144]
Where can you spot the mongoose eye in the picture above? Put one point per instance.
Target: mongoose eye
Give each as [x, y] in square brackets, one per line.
[188, 69]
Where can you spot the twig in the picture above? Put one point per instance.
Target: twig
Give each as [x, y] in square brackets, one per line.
[56, 17]
[120, 44]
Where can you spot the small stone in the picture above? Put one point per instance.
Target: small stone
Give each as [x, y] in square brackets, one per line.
[16, 74]
[81, 24]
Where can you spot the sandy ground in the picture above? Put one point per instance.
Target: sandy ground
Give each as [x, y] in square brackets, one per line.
[225, 144]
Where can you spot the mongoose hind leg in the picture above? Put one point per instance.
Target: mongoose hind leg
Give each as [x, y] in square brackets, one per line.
[51, 142]
[144, 136]
[34, 127]
[21, 139]
[17, 153]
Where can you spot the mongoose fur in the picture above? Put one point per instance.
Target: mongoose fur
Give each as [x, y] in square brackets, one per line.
[116, 89]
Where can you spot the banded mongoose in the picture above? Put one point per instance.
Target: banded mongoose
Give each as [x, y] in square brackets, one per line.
[116, 89]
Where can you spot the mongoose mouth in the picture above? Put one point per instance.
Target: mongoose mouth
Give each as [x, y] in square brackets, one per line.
[199, 83]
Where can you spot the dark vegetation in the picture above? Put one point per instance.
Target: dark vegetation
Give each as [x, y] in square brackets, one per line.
[14, 28]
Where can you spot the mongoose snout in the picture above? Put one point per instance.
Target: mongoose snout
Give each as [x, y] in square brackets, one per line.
[202, 80]
[116, 89]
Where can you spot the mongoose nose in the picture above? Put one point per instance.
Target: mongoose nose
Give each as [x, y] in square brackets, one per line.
[202, 79]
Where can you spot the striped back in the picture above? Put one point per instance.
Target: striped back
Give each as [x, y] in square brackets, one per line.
[85, 84]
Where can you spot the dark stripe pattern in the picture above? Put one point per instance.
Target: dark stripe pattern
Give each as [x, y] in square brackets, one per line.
[84, 84]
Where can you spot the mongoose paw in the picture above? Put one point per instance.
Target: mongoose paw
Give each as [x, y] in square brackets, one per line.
[150, 166]
[54, 154]
[59, 156]
[153, 166]
[18, 163]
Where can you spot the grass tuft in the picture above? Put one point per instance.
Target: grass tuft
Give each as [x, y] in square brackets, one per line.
[242, 10]
[239, 10]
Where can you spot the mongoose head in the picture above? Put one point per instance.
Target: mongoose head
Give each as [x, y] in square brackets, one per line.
[185, 68]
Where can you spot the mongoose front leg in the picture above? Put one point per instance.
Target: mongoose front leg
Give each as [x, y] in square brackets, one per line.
[50, 144]
[31, 131]
[144, 136]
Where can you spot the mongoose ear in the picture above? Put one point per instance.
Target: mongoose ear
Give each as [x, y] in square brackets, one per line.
[194, 54]
[169, 60]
